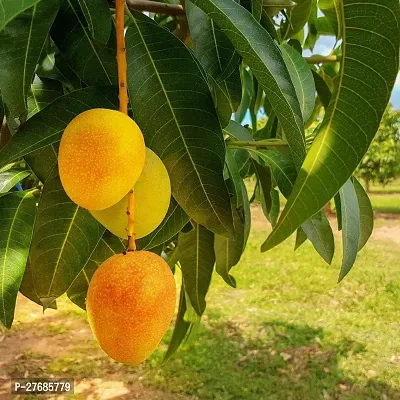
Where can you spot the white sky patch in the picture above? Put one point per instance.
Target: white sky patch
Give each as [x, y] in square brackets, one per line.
[397, 84]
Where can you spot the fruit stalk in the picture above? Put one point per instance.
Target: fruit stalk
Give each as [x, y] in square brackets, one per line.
[123, 105]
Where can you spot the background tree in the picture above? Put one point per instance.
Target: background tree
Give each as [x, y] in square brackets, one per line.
[58, 59]
[381, 163]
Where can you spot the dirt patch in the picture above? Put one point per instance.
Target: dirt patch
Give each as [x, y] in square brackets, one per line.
[59, 343]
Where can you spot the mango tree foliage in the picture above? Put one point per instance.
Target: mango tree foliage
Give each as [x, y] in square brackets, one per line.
[224, 96]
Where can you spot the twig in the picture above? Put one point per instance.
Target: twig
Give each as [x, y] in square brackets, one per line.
[123, 105]
[155, 7]
[317, 59]
[261, 144]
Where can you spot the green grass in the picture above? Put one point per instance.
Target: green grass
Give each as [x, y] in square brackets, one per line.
[385, 203]
[288, 332]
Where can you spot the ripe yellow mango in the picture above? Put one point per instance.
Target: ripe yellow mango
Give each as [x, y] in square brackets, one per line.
[101, 154]
[130, 303]
[152, 197]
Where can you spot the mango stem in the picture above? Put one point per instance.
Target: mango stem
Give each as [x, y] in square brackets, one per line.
[123, 105]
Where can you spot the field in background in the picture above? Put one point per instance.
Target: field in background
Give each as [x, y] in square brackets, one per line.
[288, 332]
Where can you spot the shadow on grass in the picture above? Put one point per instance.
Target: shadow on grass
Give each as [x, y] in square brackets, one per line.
[283, 361]
[279, 361]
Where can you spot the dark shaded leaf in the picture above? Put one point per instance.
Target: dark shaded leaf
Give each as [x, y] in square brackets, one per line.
[106, 248]
[301, 237]
[322, 88]
[64, 238]
[98, 18]
[298, 17]
[93, 61]
[197, 264]
[22, 41]
[263, 56]
[17, 215]
[351, 226]
[176, 114]
[366, 214]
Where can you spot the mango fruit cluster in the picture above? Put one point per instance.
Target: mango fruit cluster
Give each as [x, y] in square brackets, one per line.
[131, 296]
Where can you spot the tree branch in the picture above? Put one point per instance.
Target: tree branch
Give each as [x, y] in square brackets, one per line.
[317, 59]
[155, 7]
[261, 144]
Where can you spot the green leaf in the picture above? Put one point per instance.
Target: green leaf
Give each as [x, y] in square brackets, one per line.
[366, 214]
[257, 9]
[98, 18]
[350, 226]
[46, 126]
[22, 41]
[106, 248]
[302, 79]
[176, 114]
[52, 65]
[9, 178]
[42, 92]
[338, 209]
[9, 9]
[264, 178]
[184, 326]
[298, 17]
[229, 251]
[301, 237]
[17, 215]
[210, 45]
[263, 56]
[64, 238]
[227, 95]
[317, 227]
[93, 61]
[28, 289]
[172, 223]
[347, 130]
[322, 88]
[247, 95]
[197, 264]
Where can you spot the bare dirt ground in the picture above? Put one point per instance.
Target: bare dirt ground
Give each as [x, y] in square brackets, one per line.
[56, 342]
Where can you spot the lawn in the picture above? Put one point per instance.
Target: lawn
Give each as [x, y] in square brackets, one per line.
[288, 331]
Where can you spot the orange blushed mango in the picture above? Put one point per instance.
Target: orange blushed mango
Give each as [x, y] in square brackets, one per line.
[130, 304]
[95, 150]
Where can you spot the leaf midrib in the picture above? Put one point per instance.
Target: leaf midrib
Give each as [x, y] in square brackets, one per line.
[176, 122]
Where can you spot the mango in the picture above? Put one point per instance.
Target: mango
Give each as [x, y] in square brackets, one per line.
[102, 153]
[130, 303]
[152, 197]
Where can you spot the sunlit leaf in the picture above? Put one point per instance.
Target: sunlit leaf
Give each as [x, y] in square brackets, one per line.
[363, 89]
[9, 178]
